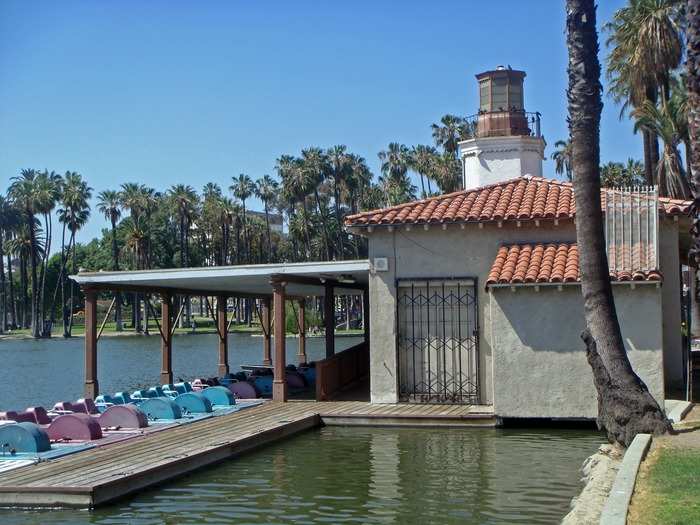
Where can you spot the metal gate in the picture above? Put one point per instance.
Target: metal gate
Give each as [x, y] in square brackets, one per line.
[438, 341]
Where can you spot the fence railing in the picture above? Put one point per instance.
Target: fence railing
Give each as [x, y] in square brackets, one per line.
[504, 123]
[338, 372]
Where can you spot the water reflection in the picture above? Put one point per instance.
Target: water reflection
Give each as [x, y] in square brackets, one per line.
[368, 475]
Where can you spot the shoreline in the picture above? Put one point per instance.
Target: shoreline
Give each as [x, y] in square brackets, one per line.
[154, 333]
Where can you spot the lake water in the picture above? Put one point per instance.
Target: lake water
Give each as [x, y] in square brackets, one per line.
[49, 370]
[329, 475]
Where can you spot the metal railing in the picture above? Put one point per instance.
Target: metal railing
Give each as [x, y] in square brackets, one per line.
[504, 123]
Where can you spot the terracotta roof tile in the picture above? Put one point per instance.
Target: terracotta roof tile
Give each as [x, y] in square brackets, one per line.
[524, 198]
[548, 263]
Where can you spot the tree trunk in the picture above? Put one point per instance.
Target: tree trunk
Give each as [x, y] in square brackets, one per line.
[625, 406]
[71, 301]
[24, 285]
[693, 84]
[3, 291]
[648, 162]
[13, 304]
[35, 328]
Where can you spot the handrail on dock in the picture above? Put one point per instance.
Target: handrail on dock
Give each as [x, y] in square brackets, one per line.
[341, 370]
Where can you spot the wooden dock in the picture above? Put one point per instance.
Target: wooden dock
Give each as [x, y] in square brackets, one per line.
[101, 475]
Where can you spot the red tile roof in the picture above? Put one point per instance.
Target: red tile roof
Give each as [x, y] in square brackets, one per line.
[524, 198]
[548, 263]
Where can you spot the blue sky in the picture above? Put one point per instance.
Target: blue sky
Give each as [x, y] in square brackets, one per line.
[166, 92]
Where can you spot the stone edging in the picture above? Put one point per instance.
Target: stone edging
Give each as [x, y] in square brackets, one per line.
[615, 510]
[679, 411]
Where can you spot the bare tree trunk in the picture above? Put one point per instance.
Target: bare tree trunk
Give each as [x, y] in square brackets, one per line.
[625, 406]
[13, 304]
[3, 291]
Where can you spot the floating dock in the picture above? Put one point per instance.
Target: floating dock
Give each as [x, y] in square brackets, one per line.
[103, 474]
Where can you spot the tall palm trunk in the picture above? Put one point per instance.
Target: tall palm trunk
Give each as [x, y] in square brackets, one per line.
[3, 291]
[24, 285]
[62, 280]
[625, 406]
[269, 232]
[74, 270]
[336, 204]
[115, 266]
[13, 304]
[35, 328]
[324, 226]
[693, 83]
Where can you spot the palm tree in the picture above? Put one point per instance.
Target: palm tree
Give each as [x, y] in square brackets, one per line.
[618, 175]
[266, 190]
[422, 161]
[693, 84]
[74, 214]
[296, 186]
[339, 168]
[625, 406]
[450, 132]
[243, 188]
[184, 204]
[8, 222]
[23, 191]
[395, 163]
[668, 122]
[645, 46]
[109, 204]
[562, 158]
[447, 172]
[314, 163]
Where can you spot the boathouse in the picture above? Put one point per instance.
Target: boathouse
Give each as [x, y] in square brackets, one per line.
[475, 296]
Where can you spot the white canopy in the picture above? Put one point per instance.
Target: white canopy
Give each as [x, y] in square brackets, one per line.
[302, 279]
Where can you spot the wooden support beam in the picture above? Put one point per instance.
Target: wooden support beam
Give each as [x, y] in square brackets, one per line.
[222, 329]
[329, 319]
[91, 384]
[166, 340]
[279, 382]
[267, 334]
[301, 325]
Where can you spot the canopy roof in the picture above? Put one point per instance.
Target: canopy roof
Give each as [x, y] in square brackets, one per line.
[302, 279]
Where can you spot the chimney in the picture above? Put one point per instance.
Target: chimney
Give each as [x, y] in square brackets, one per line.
[506, 142]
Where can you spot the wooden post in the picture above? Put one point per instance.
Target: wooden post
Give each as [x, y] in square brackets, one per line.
[301, 354]
[223, 335]
[279, 382]
[91, 384]
[166, 347]
[329, 319]
[365, 314]
[267, 335]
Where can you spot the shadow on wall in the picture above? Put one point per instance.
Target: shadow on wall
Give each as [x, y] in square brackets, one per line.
[552, 320]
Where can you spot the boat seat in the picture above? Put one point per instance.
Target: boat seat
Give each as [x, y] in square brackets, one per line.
[242, 390]
[123, 416]
[143, 394]
[67, 406]
[74, 427]
[186, 385]
[19, 417]
[219, 395]
[23, 437]
[105, 399]
[194, 402]
[262, 384]
[39, 414]
[122, 398]
[160, 408]
[88, 405]
[158, 391]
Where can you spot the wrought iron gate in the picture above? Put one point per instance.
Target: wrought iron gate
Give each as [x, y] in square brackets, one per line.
[438, 341]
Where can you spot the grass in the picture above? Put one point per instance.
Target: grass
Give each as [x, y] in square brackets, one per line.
[669, 491]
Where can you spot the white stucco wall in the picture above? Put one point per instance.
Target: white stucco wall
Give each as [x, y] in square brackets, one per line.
[469, 252]
[490, 160]
[436, 253]
[540, 362]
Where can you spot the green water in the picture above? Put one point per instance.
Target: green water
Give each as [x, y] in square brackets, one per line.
[367, 475]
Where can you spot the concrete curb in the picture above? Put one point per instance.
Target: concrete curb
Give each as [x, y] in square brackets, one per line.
[679, 410]
[617, 505]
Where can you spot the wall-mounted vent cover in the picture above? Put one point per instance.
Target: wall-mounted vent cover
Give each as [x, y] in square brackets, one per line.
[381, 264]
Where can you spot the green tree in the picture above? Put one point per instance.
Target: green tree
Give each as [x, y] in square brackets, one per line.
[110, 206]
[243, 188]
[266, 190]
[562, 158]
